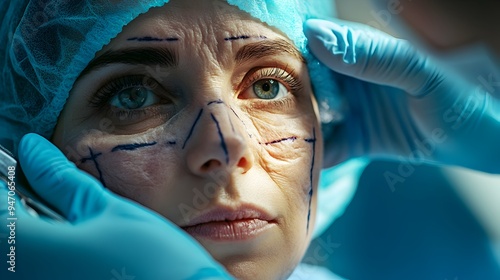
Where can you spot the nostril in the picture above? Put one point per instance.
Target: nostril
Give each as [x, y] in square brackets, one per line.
[242, 163]
[210, 165]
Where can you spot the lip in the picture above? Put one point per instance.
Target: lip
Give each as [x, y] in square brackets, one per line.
[230, 224]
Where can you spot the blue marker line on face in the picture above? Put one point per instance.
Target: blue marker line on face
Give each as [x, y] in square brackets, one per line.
[223, 143]
[243, 37]
[246, 129]
[230, 122]
[313, 141]
[233, 38]
[218, 101]
[152, 39]
[93, 158]
[192, 128]
[131, 147]
[171, 142]
[293, 138]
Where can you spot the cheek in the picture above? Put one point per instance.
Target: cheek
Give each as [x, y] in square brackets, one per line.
[290, 152]
[285, 145]
[134, 166]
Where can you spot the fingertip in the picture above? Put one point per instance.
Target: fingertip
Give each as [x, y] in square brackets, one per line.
[40, 159]
[26, 143]
[29, 138]
[315, 30]
[58, 181]
[331, 43]
[33, 146]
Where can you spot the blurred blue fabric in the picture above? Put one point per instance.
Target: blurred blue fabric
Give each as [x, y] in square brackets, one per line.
[422, 230]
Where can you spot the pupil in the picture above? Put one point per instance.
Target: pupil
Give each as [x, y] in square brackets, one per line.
[133, 98]
[266, 87]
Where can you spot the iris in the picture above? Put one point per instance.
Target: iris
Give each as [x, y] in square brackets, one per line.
[266, 89]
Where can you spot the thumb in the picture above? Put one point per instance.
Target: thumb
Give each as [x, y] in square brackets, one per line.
[58, 181]
[368, 54]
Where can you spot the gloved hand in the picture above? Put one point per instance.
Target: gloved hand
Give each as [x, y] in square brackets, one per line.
[399, 104]
[106, 236]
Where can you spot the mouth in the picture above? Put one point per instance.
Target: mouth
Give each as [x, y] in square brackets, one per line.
[226, 224]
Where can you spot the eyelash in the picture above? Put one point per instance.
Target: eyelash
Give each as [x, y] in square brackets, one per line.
[283, 75]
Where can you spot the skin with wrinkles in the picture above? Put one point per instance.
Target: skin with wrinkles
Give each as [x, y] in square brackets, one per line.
[207, 141]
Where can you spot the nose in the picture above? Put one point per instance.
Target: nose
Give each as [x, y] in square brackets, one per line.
[216, 141]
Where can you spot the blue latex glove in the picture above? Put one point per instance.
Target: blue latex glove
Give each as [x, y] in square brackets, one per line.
[400, 105]
[107, 237]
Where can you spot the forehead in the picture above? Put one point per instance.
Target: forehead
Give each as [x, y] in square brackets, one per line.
[207, 21]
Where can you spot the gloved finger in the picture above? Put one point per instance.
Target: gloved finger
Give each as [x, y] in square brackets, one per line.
[370, 55]
[58, 181]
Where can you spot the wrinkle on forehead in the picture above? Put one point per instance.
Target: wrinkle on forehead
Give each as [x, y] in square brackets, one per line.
[214, 19]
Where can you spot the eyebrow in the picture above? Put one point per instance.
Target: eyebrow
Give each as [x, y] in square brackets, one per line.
[168, 58]
[265, 48]
[134, 56]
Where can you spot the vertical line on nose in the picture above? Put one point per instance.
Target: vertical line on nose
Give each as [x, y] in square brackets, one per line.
[221, 136]
[192, 128]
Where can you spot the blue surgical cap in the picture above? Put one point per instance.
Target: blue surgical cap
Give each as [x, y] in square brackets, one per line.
[47, 43]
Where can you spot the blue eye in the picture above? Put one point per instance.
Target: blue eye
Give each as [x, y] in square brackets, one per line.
[134, 98]
[269, 89]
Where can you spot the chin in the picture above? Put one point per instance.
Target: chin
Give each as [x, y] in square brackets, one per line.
[264, 257]
[262, 269]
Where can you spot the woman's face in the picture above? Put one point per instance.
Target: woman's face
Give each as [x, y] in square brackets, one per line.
[205, 115]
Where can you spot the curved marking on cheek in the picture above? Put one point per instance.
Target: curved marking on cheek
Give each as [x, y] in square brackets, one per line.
[132, 147]
[221, 136]
[93, 157]
[192, 128]
[171, 142]
[313, 142]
